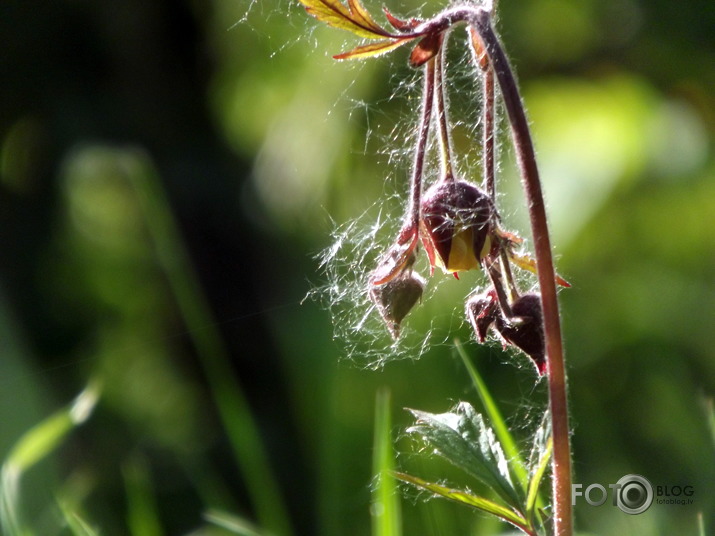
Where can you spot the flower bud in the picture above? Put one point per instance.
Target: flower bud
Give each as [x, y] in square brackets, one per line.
[456, 224]
[525, 329]
[395, 298]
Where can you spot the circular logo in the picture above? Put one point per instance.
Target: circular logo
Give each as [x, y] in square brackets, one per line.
[634, 494]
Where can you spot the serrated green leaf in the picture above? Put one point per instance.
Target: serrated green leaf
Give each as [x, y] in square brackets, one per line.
[337, 15]
[373, 49]
[464, 440]
[463, 497]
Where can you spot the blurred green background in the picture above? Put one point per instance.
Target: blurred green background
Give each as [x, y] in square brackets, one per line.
[170, 170]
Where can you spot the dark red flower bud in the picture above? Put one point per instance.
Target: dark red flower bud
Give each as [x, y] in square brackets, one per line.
[395, 298]
[457, 219]
[525, 329]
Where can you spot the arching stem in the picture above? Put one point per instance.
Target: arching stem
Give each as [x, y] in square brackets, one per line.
[563, 521]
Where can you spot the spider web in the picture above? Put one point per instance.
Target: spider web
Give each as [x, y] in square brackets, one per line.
[356, 244]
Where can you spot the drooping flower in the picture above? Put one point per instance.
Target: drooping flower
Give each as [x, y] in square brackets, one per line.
[456, 224]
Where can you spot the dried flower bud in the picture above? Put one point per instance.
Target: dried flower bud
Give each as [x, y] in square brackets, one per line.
[457, 220]
[525, 329]
[396, 298]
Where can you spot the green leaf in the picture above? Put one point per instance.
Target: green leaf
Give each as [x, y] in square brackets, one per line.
[463, 497]
[516, 461]
[373, 49]
[464, 440]
[354, 19]
[386, 515]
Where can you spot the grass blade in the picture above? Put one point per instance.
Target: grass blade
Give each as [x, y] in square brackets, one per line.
[36, 444]
[386, 513]
[142, 514]
[76, 525]
[532, 495]
[228, 395]
[233, 524]
[496, 421]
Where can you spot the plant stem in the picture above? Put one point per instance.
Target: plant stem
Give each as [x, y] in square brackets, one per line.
[563, 525]
[421, 147]
[488, 160]
[480, 19]
[488, 134]
[441, 111]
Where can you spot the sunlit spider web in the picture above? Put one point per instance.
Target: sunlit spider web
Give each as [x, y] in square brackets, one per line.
[356, 244]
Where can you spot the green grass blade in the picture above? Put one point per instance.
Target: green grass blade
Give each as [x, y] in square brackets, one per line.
[710, 410]
[35, 445]
[227, 393]
[76, 525]
[142, 515]
[233, 524]
[534, 484]
[462, 497]
[386, 513]
[496, 421]
[701, 524]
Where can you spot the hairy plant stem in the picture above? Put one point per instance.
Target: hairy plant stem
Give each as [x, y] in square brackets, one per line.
[488, 105]
[563, 524]
[488, 134]
[421, 147]
[480, 20]
[441, 111]
[495, 277]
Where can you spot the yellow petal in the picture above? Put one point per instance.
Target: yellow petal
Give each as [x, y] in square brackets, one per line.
[461, 252]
